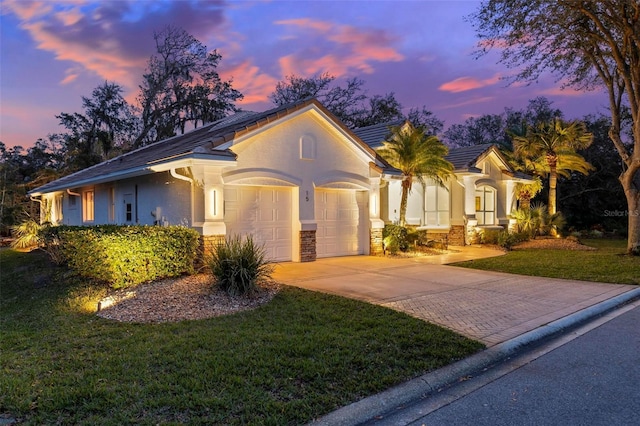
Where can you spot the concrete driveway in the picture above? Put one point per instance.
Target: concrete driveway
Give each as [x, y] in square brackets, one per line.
[491, 307]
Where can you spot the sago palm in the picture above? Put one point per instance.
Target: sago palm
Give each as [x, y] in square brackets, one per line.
[550, 149]
[419, 156]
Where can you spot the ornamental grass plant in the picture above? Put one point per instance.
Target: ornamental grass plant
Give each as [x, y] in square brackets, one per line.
[239, 264]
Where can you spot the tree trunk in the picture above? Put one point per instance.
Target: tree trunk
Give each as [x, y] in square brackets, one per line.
[553, 182]
[406, 186]
[633, 242]
[632, 193]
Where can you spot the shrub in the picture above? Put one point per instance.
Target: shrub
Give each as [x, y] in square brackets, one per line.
[27, 234]
[395, 238]
[238, 265]
[503, 238]
[596, 233]
[415, 237]
[489, 236]
[124, 256]
[537, 220]
[51, 244]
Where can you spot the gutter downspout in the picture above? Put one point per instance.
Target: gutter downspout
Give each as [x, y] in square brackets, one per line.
[176, 175]
[37, 201]
[72, 193]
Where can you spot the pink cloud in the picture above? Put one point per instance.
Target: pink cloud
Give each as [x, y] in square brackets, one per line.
[337, 66]
[319, 26]
[101, 40]
[369, 44]
[352, 49]
[559, 91]
[69, 17]
[106, 61]
[69, 78]
[26, 10]
[250, 81]
[463, 84]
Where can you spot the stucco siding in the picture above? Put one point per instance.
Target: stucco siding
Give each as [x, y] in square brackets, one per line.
[304, 152]
[163, 194]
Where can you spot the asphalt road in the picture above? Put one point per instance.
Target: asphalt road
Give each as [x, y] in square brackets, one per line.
[590, 377]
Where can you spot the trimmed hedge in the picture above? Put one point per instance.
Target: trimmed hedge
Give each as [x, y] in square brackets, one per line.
[125, 256]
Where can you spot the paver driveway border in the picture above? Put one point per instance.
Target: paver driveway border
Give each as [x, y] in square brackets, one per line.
[491, 307]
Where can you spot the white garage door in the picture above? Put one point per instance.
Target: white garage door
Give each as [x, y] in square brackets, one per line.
[265, 213]
[341, 222]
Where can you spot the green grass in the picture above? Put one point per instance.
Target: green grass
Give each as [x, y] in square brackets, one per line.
[607, 264]
[301, 356]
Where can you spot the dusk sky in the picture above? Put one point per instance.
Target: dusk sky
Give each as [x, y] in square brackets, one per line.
[54, 52]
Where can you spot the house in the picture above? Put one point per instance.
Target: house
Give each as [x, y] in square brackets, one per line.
[480, 195]
[294, 177]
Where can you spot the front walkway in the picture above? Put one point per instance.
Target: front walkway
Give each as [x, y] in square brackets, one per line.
[491, 307]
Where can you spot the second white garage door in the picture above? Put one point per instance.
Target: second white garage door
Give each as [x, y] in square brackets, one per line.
[265, 213]
[340, 215]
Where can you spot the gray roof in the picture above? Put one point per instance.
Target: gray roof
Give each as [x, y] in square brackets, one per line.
[461, 158]
[467, 157]
[374, 135]
[199, 143]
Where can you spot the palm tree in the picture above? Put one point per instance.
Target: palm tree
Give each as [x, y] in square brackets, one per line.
[550, 149]
[418, 156]
[526, 191]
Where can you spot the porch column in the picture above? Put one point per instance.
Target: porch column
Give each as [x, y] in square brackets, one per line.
[510, 197]
[470, 205]
[212, 204]
[305, 224]
[510, 203]
[376, 223]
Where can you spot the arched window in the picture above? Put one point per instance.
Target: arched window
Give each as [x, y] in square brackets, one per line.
[486, 205]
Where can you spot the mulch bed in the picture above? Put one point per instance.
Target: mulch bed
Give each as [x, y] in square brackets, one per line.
[191, 297]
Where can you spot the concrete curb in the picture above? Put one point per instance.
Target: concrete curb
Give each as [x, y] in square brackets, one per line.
[366, 409]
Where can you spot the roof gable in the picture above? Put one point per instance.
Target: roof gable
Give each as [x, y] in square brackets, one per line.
[466, 157]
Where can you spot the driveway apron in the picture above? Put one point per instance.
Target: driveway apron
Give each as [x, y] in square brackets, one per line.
[491, 307]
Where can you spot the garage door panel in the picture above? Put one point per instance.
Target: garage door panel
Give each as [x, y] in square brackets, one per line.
[283, 234]
[264, 213]
[266, 216]
[338, 216]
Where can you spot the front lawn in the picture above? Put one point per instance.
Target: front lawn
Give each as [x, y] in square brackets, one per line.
[607, 264]
[301, 356]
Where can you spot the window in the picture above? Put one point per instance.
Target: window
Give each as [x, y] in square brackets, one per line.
[128, 208]
[436, 209]
[486, 205]
[88, 207]
[56, 211]
[307, 147]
